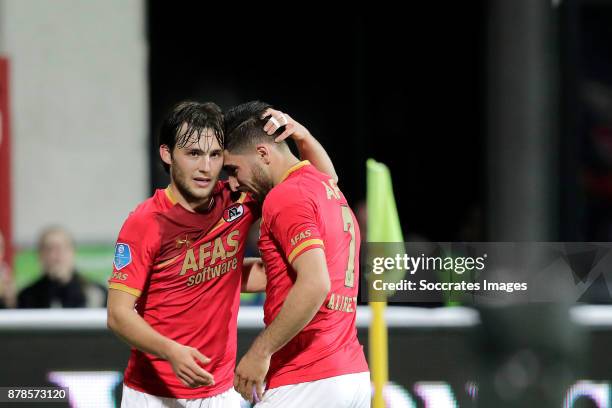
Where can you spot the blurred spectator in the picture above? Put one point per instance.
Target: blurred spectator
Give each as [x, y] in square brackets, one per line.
[61, 285]
[7, 288]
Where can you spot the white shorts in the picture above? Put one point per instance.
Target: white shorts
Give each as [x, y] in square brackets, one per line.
[343, 391]
[136, 399]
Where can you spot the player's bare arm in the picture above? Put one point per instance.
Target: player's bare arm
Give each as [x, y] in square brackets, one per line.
[253, 276]
[302, 303]
[309, 147]
[132, 328]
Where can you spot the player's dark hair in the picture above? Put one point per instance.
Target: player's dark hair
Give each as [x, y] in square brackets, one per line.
[244, 126]
[198, 117]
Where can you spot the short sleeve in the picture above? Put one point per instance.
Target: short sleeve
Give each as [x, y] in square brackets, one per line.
[294, 224]
[135, 252]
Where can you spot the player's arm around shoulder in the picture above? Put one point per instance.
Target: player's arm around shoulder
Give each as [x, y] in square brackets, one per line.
[309, 147]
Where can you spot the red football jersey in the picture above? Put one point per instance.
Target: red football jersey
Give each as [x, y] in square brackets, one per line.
[186, 270]
[305, 211]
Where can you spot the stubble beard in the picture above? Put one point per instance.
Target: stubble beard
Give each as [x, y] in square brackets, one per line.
[262, 184]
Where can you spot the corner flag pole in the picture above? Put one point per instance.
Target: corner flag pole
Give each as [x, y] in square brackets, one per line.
[383, 226]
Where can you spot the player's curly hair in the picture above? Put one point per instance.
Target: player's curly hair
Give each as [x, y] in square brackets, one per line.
[198, 117]
[244, 126]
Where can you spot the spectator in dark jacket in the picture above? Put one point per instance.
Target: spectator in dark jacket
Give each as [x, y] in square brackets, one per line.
[61, 285]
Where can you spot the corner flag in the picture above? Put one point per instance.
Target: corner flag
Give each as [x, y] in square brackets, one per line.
[383, 226]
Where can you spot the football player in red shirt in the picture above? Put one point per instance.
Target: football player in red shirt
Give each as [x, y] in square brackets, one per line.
[309, 353]
[178, 270]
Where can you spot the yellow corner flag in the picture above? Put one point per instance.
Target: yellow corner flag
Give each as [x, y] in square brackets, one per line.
[383, 226]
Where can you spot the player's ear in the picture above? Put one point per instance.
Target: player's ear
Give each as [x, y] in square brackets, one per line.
[263, 152]
[164, 153]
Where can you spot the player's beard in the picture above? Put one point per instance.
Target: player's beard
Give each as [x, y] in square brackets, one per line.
[261, 184]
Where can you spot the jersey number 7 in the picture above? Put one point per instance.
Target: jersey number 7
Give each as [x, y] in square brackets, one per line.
[347, 220]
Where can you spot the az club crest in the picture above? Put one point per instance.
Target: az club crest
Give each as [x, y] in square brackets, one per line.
[233, 213]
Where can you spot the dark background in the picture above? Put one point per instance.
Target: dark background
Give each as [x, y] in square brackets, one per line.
[407, 87]
[403, 87]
